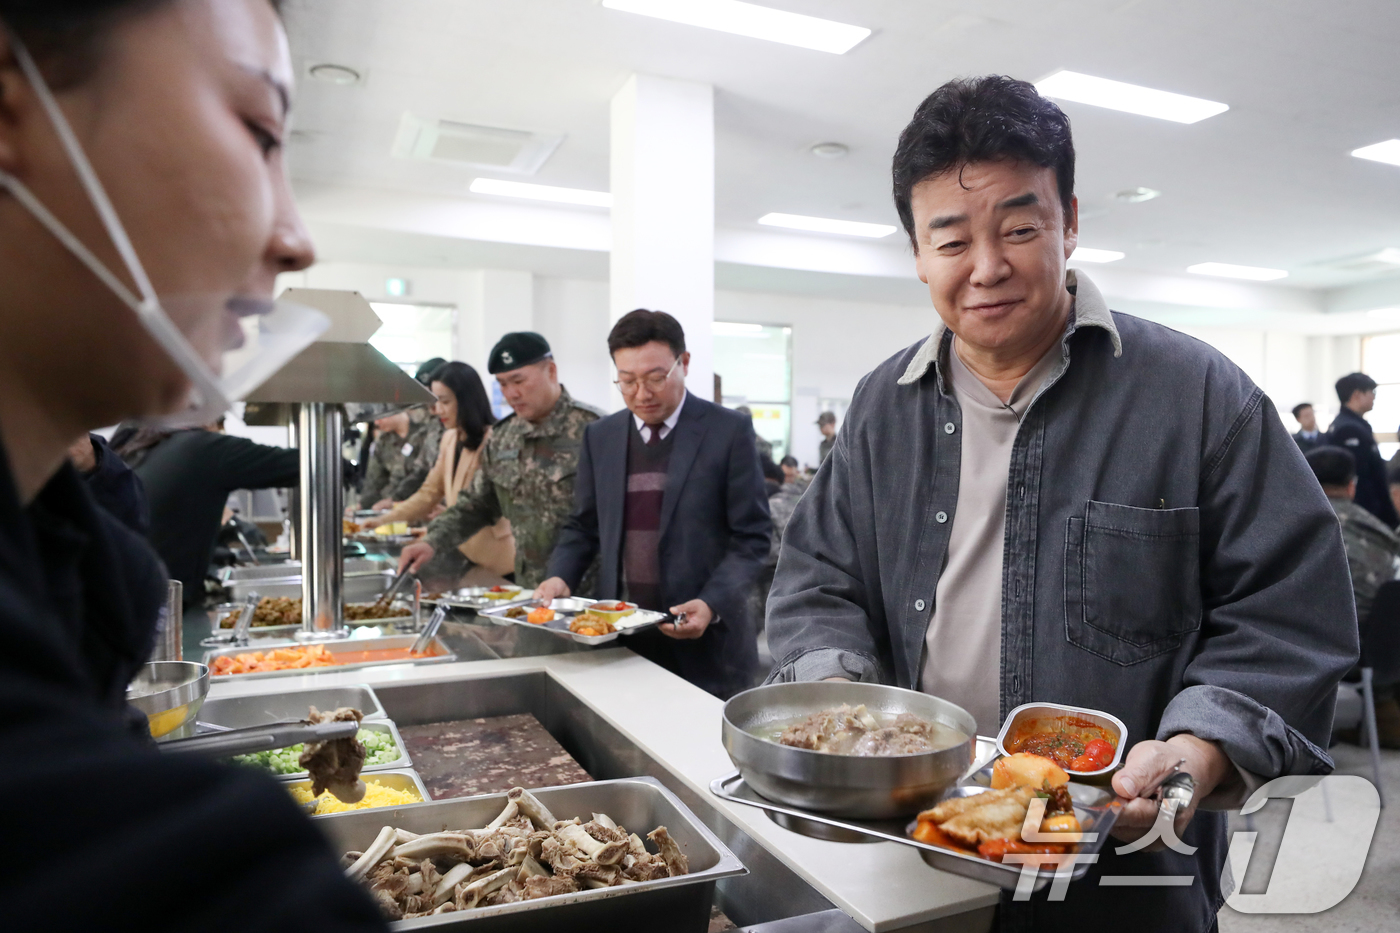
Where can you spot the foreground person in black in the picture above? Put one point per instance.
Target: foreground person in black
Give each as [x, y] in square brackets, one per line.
[180, 104]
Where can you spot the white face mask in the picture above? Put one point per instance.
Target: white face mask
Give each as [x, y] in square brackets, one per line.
[272, 333]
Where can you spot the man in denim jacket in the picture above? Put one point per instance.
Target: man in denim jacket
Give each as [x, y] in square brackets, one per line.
[1048, 501]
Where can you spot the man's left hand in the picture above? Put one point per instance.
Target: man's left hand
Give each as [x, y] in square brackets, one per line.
[1147, 764]
[697, 618]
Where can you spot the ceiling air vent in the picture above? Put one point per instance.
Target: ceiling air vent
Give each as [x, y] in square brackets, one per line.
[475, 146]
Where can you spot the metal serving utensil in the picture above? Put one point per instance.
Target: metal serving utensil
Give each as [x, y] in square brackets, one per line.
[245, 619]
[386, 599]
[429, 631]
[260, 738]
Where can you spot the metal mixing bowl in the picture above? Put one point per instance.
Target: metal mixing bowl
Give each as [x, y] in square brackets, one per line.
[170, 693]
[843, 785]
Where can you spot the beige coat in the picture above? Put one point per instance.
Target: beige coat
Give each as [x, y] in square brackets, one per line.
[492, 547]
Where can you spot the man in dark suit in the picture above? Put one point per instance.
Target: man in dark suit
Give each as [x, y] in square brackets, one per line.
[670, 497]
[1308, 435]
[1357, 393]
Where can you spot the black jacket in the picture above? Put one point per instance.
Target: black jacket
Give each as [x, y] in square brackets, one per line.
[715, 531]
[1306, 444]
[188, 478]
[1352, 432]
[117, 489]
[226, 848]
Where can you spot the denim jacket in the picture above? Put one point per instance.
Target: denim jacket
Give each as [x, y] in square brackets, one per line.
[1169, 558]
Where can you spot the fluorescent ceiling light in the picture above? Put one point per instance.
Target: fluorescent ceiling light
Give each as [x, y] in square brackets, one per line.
[1387, 152]
[1384, 312]
[826, 225]
[519, 189]
[1085, 254]
[1225, 269]
[733, 329]
[1129, 98]
[749, 19]
[1389, 255]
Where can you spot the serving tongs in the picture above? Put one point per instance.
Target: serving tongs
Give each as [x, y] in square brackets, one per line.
[239, 636]
[387, 598]
[260, 738]
[421, 643]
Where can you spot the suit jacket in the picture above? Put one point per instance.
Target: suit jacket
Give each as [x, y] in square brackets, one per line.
[1306, 444]
[715, 531]
[1352, 432]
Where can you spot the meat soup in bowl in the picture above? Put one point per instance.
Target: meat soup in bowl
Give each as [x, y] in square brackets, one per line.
[865, 751]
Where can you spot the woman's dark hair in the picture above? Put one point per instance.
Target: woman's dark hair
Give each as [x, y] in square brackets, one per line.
[639, 328]
[64, 35]
[1333, 466]
[982, 119]
[474, 414]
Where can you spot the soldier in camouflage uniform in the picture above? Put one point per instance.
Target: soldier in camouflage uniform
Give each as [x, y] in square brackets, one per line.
[425, 435]
[1373, 550]
[392, 455]
[527, 467]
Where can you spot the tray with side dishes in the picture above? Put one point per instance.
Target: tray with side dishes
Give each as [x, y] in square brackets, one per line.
[566, 611]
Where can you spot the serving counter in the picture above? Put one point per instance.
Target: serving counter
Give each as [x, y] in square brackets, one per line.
[619, 715]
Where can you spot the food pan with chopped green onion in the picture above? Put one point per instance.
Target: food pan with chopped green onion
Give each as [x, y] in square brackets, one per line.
[384, 750]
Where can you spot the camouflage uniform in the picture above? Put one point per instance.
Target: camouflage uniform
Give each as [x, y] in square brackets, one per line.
[388, 464]
[1372, 552]
[527, 475]
[420, 462]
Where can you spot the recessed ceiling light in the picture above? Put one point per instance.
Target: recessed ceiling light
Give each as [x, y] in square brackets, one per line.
[1129, 98]
[1387, 152]
[1085, 254]
[1136, 195]
[1384, 312]
[519, 189]
[826, 225]
[830, 150]
[335, 74]
[752, 20]
[1389, 255]
[1226, 270]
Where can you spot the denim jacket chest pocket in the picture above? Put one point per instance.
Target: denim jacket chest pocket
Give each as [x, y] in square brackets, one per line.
[1132, 580]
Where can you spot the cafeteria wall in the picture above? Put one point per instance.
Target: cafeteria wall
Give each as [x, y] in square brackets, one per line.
[834, 342]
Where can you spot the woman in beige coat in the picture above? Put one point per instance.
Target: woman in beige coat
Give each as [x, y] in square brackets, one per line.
[465, 412]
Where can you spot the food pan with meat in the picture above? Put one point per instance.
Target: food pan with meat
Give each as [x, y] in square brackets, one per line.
[629, 845]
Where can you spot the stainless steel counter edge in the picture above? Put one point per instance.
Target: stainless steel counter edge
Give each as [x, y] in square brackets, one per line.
[883, 886]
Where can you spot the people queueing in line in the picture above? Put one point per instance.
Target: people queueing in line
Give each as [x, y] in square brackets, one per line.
[669, 501]
[527, 467]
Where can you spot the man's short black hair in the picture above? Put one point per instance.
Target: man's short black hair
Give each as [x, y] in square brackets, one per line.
[982, 119]
[1333, 466]
[639, 328]
[1298, 409]
[789, 461]
[1350, 384]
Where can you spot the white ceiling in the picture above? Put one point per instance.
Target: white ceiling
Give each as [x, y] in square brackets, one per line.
[1268, 183]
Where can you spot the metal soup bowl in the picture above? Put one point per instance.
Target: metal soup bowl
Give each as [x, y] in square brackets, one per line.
[170, 693]
[843, 785]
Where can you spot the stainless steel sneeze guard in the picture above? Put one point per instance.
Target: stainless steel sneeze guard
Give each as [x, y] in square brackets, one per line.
[640, 804]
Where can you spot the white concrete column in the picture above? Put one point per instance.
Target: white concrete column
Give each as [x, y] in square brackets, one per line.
[663, 212]
[491, 303]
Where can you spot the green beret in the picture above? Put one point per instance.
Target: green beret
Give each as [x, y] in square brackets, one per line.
[516, 350]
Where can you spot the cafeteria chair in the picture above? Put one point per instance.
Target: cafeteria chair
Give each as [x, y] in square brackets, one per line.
[1380, 663]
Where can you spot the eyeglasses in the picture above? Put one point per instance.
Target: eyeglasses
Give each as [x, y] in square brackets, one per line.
[654, 381]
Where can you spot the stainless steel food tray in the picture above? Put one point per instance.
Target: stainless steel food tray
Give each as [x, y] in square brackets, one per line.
[442, 655]
[395, 780]
[571, 606]
[374, 725]
[474, 597]
[1096, 808]
[217, 614]
[266, 708]
[641, 804]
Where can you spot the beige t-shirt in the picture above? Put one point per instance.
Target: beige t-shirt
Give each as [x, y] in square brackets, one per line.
[962, 654]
